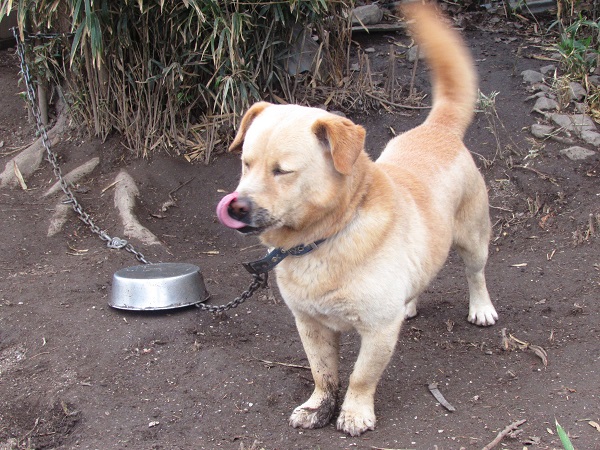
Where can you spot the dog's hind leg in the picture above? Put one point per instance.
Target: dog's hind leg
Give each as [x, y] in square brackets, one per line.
[321, 345]
[377, 346]
[471, 241]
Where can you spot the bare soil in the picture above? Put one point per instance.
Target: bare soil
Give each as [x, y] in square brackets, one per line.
[75, 373]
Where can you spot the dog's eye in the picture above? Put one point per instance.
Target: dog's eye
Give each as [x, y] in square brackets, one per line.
[279, 171]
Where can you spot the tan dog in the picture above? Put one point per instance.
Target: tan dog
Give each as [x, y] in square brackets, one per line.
[388, 225]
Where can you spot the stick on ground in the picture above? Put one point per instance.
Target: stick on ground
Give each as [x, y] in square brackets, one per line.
[513, 426]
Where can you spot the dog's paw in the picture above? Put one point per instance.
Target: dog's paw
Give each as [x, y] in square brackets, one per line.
[305, 416]
[355, 423]
[483, 316]
[411, 310]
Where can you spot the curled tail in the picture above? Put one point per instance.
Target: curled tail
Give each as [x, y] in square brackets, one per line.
[453, 75]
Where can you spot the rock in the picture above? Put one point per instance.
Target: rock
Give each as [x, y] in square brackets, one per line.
[580, 108]
[303, 52]
[412, 53]
[594, 79]
[577, 153]
[367, 15]
[539, 87]
[531, 76]
[549, 69]
[370, 50]
[576, 91]
[541, 131]
[576, 123]
[591, 137]
[545, 104]
[536, 96]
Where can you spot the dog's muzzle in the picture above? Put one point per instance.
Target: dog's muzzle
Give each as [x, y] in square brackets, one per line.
[235, 212]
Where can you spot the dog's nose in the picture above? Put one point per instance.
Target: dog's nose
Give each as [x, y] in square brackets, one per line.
[240, 209]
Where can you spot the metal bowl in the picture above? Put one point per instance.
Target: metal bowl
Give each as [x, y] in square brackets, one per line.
[152, 287]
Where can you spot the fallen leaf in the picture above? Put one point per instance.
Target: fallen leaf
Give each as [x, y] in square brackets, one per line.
[595, 425]
[433, 388]
[19, 176]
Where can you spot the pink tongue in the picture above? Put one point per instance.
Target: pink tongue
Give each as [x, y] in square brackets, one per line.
[223, 214]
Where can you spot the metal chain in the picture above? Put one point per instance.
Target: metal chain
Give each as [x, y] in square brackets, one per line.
[112, 242]
[259, 280]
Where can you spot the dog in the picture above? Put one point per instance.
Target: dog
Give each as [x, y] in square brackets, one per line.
[373, 234]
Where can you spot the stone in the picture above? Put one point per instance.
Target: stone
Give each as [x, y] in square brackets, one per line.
[541, 87]
[591, 137]
[541, 131]
[411, 55]
[577, 153]
[576, 91]
[303, 52]
[367, 15]
[531, 76]
[576, 123]
[545, 104]
[549, 69]
[536, 96]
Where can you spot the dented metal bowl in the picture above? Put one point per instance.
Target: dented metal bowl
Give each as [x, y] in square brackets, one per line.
[152, 287]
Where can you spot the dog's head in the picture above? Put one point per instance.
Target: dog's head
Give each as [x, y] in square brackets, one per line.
[298, 164]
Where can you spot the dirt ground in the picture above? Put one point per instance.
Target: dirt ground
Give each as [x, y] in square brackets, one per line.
[77, 374]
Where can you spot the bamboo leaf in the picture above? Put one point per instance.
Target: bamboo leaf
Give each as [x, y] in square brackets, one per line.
[564, 438]
[76, 42]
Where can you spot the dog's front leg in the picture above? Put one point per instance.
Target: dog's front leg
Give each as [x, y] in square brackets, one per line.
[321, 345]
[377, 346]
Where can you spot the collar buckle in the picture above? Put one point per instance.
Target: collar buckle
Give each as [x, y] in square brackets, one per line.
[274, 257]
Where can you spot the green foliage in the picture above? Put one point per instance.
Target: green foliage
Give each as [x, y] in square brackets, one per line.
[579, 48]
[151, 69]
[564, 439]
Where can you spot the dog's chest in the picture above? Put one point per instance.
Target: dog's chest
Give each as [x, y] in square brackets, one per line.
[340, 296]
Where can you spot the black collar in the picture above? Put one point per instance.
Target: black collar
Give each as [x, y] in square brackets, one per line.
[274, 257]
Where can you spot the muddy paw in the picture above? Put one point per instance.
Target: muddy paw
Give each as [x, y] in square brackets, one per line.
[483, 316]
[308, 417]
[355, 424]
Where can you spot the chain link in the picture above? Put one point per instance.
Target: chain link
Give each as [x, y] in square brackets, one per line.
[259, 280]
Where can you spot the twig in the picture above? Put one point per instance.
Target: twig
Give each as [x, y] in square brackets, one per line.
[113, 184]
[501, 209]
[275, 363]
[513, 426]
[411, 89]
[397, 105]
[181, 185]
[542, 175]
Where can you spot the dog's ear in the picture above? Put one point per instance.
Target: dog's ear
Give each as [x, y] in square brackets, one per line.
[255, 110]
[343, 138]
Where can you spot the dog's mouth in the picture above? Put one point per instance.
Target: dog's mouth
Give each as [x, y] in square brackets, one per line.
[236, 213]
